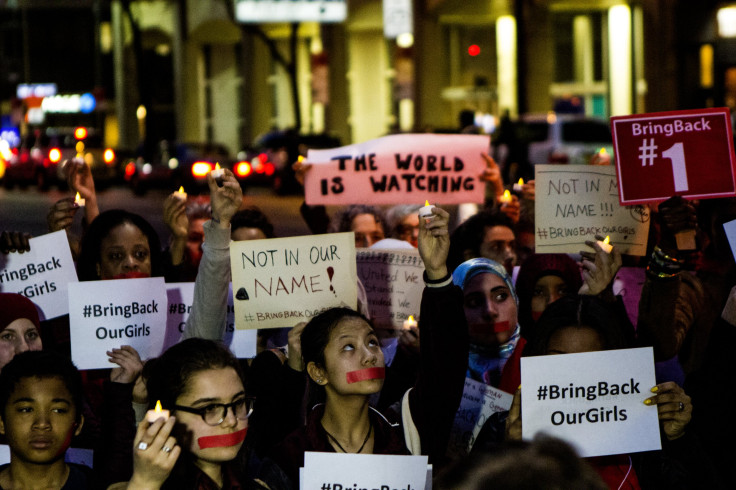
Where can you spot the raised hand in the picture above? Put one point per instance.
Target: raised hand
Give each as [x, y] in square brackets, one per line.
[434, 243]
[129, 364]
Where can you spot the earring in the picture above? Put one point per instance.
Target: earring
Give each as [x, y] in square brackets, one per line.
[319, 381]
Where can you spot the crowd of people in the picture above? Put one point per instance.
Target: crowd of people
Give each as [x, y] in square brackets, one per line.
[326, 385]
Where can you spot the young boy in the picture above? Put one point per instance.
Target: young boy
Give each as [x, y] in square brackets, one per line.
[40, 412]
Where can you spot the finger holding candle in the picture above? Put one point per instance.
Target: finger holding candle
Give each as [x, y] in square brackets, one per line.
[217, 174]
[79, 201]
[427, 210]
[505, 197]
[605, 244]
[157, 413]
[410, 322]
[181, 194]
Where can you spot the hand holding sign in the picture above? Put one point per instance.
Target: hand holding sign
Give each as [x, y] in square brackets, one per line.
[673, 407]
[129, 364]
[675, 216]
[14, 241]
[513, 421]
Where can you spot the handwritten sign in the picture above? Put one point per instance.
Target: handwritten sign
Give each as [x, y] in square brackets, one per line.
[393, 283]
[478, 403]
[180, 295]
[107, 314]
[41, 274]
[576, 202]
[399, 169]
[688, 153]
[593, 400]
[339, 471]
[283, 281]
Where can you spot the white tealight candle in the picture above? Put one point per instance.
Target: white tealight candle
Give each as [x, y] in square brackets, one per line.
[79, 200]
[180, 194]
[410, 322]
[519, 186]
[217, 172]
[157, 413]
[426, 211]
[506, 198]
[607, 247]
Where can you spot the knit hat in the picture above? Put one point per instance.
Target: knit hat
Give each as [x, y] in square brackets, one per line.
[16, 306]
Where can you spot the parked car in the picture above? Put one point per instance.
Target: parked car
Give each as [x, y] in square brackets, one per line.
[64, 144]
[171, 165]
[253, 167]
[551, 139]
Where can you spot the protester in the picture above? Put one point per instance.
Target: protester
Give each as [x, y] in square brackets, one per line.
[118, 245]
[345, 363]
[19, 327]
[367, 222]
[575, 324]
[486, 234]
[184, 219]
[201, 444]
[40, 413]
[403, 222]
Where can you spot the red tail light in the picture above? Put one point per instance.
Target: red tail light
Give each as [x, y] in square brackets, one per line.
[80, 133]
[129, 170]
[201, 169]
[109, 156]
[243, 169]
[54, 155]
[269, 168]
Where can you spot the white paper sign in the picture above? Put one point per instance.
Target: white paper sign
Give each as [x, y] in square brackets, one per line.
[107, 314]
[180, 295]
[730, 229]
[393, 284]
[363, 471]
[280, 282]
[478, 403]
[576, 202]
[399, 169]
[41, 274]
[593, 400]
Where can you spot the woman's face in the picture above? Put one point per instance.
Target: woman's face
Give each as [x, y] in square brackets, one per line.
[547, 290]
[490, 310]
[222, 385]
[353, 346]
[571, 340]
[123, 251]
[367, 230]
[18, 336]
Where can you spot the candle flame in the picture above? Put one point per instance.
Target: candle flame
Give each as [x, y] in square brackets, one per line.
[181, 189]
[158, 407]
[521, 181]
[426, 202]
[217, 166]
[602, 151]
[300, 159]
[506, 194]
[77, 197]
[411, 318]
[607, 239]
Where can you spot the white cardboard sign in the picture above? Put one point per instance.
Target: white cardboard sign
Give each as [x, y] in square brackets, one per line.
[576, 202]
[730, 229]
[399, 169]
[393, 284]
[339, 471]
[107, 314]
[478, 403]
[180, 295]
[593, 400]
[280, 282]
[41, 274]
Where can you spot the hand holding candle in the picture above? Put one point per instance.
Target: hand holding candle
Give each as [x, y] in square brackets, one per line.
[426, 211]
[605, 244]
[180, 194]
[157, 413]
[519, 186]
[79, 200]
[505, 198]
[217, 174]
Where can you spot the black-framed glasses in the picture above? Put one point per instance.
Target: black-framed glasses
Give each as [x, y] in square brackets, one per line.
[215, 413]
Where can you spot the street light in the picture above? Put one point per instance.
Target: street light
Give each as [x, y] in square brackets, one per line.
[727, 21]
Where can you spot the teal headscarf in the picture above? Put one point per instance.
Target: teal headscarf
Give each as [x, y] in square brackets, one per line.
[486, 364]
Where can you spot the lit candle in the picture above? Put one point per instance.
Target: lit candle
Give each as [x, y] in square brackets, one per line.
[180, 194]
[410, 322]
[157, 413]
[506, 198]
[217, 174]
[607, 247]
[519, 186]
[426, 211]
[78, 200]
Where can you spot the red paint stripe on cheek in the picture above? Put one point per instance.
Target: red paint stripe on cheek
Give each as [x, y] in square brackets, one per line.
[224, 440]
[500, 327]
[368, 373]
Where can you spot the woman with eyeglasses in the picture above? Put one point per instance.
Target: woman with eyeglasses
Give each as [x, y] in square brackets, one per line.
[200, 446]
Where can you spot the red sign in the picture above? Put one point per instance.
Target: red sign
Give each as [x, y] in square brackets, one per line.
[687, 153]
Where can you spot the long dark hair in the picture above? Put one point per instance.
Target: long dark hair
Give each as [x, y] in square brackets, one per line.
[90, 253]
[579, 311]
